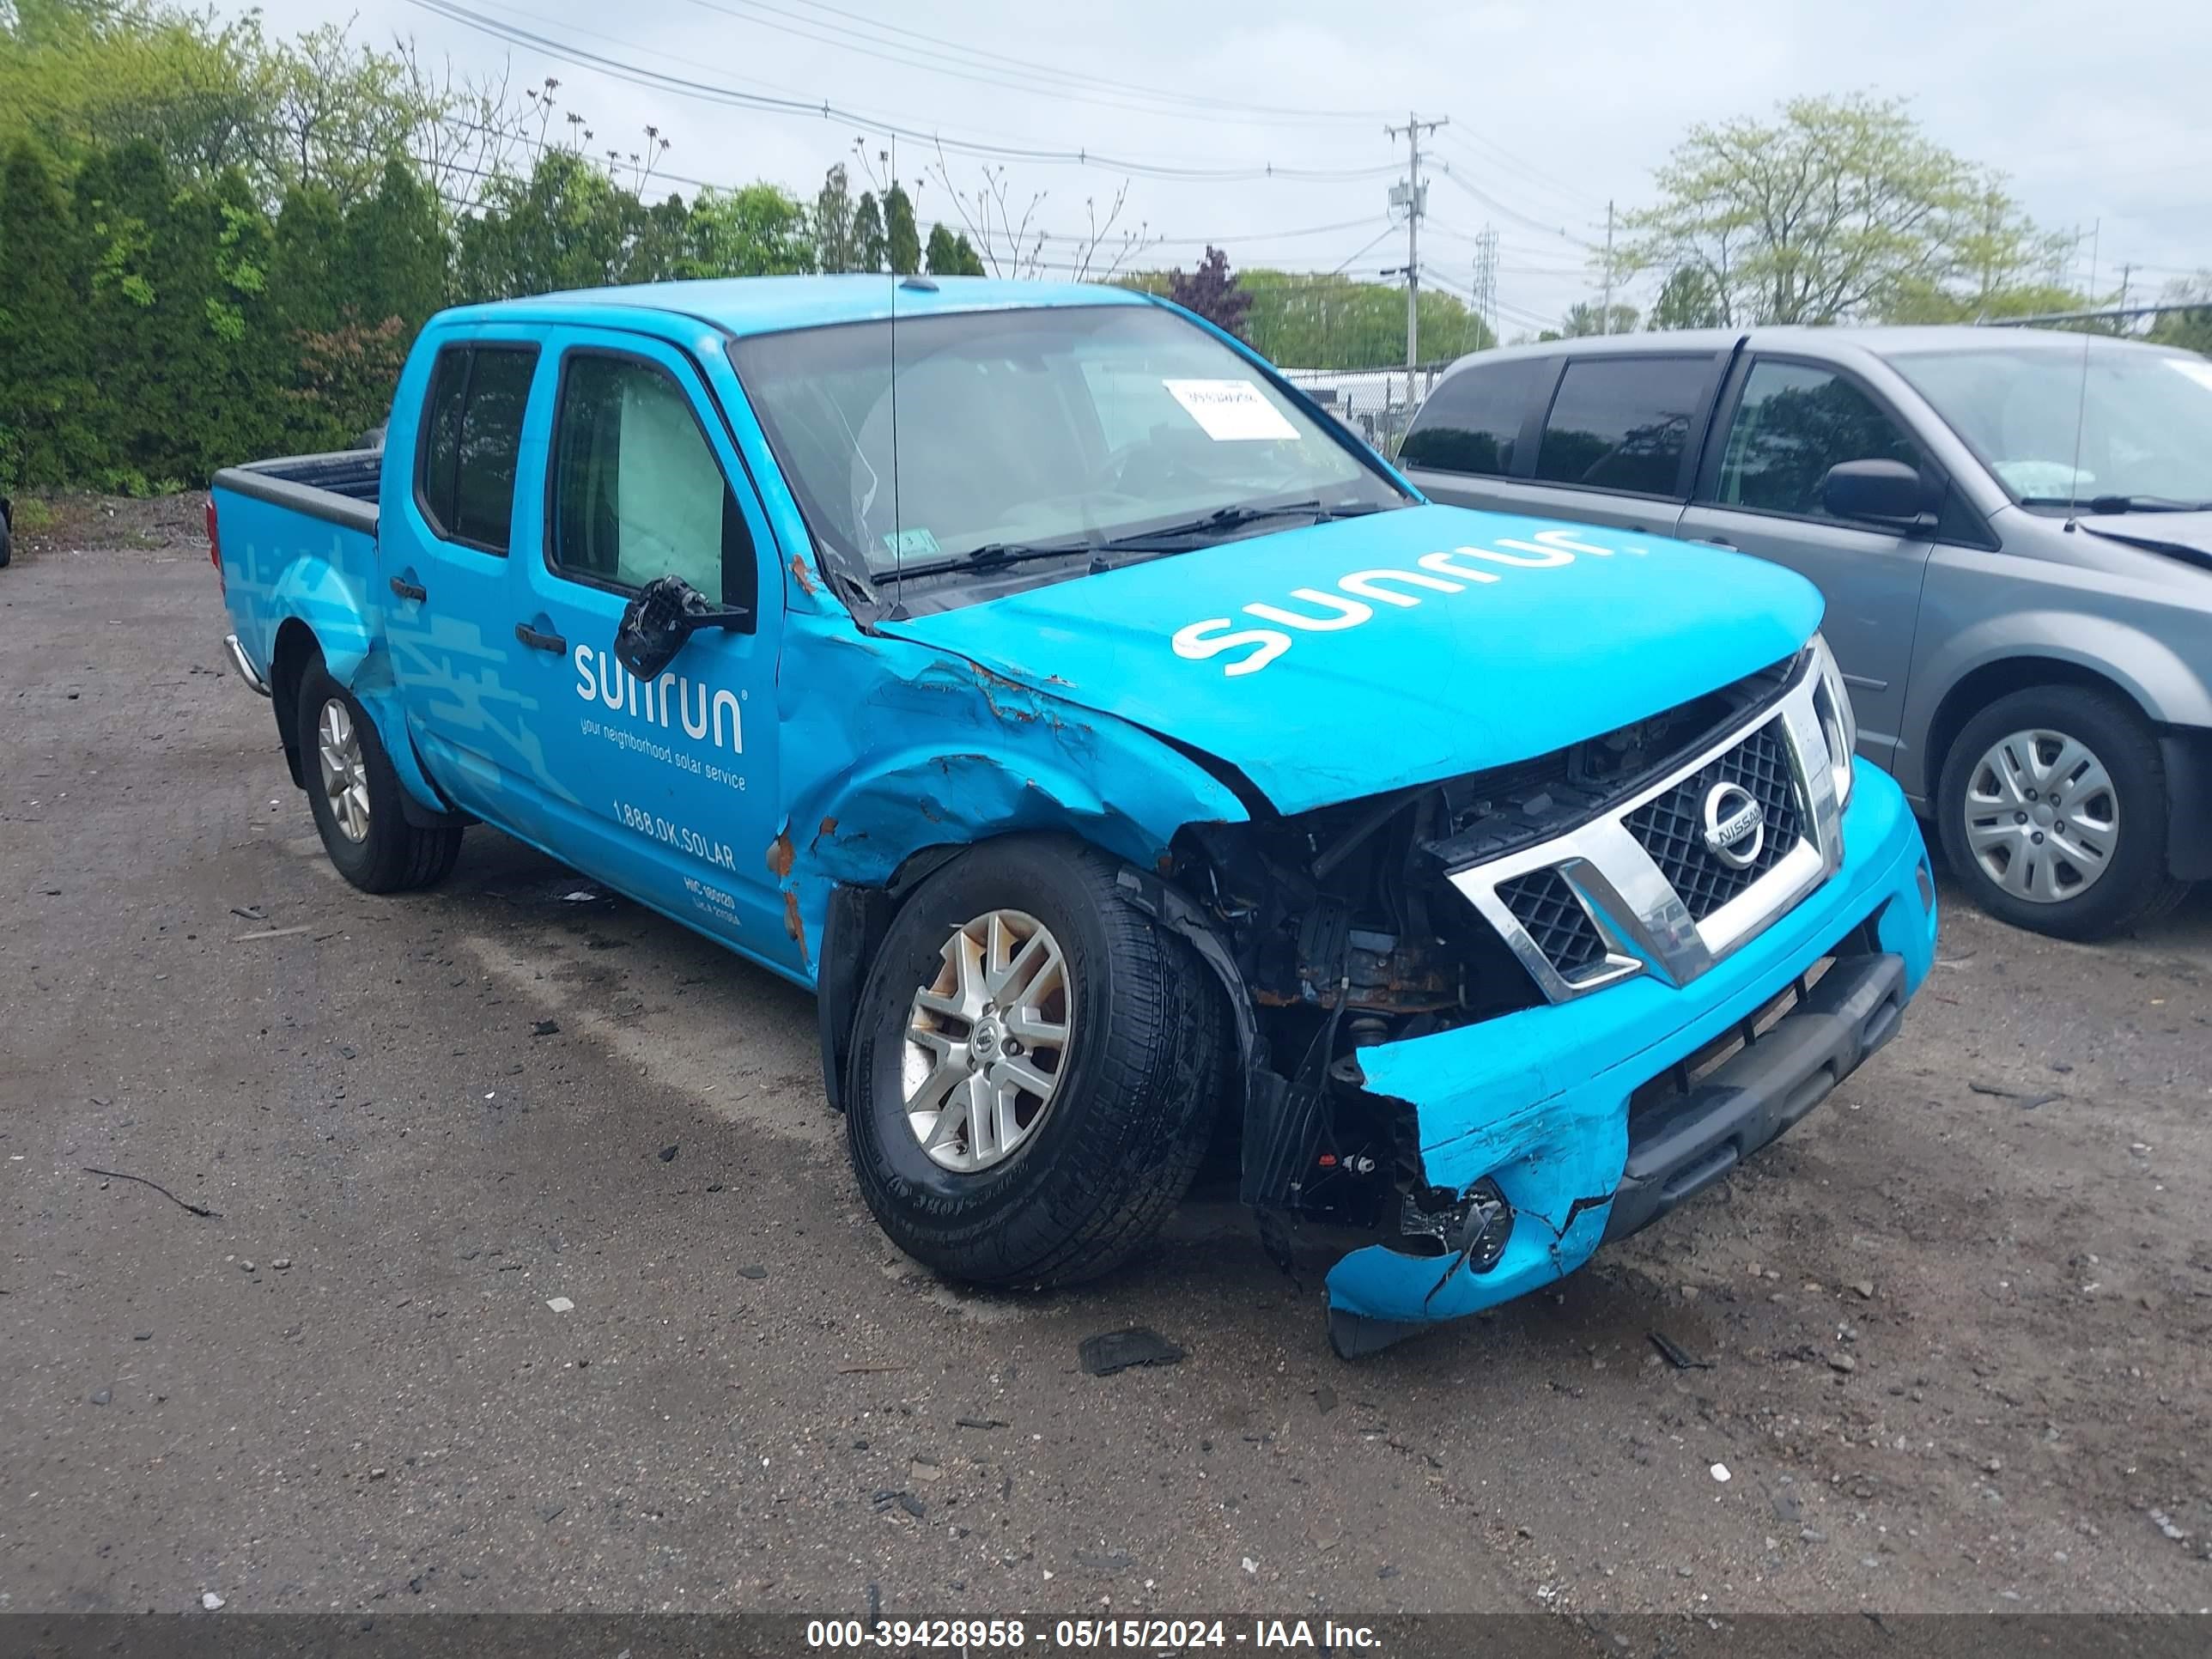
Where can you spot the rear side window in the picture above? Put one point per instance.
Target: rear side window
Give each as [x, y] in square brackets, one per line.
[1471, 421]
[1793, 422]
[638, 492]
[471, 440]
[1622, 423]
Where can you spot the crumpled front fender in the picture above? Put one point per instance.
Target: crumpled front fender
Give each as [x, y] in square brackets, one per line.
[1537, 1100]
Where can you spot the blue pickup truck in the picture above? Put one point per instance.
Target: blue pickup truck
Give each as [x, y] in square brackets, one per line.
[1131, 762]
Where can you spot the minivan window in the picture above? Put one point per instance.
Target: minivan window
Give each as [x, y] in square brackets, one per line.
[638, 492]
[1040, 431]
[1793, 422]
[1622, 423]
[2110, 425]
[471, 440]
[1471, 422]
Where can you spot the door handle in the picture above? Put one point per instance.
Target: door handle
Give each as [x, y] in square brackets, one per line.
[537, 642]
[407, 590]
[1714, 541]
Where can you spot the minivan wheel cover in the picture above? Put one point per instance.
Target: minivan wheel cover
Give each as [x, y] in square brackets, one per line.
[2042, 816]
[344, 774]
[986, 1042]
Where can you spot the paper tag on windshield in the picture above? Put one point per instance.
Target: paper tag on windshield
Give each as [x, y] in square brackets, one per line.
[2196, 368]
[1231, 411]
[911, 544]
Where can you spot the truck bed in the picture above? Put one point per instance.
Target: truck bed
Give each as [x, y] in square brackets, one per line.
[340, 487]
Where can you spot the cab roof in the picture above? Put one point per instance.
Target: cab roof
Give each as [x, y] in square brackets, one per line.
[770, 304]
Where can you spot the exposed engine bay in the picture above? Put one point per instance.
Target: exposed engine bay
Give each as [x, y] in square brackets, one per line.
[1346, 932]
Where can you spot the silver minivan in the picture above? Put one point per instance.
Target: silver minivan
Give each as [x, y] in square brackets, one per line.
[2012, 529]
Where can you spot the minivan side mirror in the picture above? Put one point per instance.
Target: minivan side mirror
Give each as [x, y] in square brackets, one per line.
[666, 612]
[1884, 491]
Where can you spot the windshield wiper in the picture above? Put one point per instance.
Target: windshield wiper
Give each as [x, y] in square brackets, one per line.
[992, 555]
[2117, 504]
[1224, 519]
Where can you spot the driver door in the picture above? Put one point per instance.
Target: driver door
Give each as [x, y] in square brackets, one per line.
[672, 783]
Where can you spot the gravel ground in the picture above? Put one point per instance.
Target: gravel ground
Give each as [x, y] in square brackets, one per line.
[537, 1279]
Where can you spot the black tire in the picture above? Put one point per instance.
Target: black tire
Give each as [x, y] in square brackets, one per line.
[7, 541]
[1136, 1099]
[2134, 887]
[394, 856]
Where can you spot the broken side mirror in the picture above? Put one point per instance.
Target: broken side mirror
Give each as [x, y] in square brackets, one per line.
[666, 612]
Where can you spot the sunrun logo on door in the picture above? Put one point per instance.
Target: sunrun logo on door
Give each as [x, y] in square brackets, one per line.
[1353, 603]
[702, 712]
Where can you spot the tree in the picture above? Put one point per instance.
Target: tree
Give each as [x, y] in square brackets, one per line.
[47, 395]
[902, 238]
[868, 248]
[835, 248]
[1212, 291]
[396, 251]
[948, 255]
[1839, 209]
[1584, 319]
[2191, 330]
[1686, 300]
[1311, 320]
[757, 231]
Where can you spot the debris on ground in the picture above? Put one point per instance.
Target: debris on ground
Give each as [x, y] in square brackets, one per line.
[1841, 1362]
[248, 912]
[668, 1154]
[2164, 1523]
[120, 1175]
[1676, 1355]
[977, 1423]
[100, 1396]
[268, 932]
[1117, 1351]
[1324, 1399]
[887, 1499]
[211, 1601]
[560, 1303]
[752, 1270]
[1720, 1472]
[545, 1028]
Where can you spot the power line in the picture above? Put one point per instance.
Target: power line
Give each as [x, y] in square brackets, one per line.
[712, 93]
[936, 55]
[1496, 206]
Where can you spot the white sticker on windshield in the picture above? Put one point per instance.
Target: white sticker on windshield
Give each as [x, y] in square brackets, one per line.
[1231, 411]
[2195, 367]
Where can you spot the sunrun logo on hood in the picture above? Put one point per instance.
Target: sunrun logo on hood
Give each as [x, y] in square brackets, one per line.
[1454, 570]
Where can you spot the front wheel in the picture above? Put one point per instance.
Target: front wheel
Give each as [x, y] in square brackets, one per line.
[2053, 810]
[354, 796]
[1035, 1068]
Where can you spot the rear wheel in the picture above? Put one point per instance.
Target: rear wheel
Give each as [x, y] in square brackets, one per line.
[1035, 1069]
[2053, 810]
[355, 796]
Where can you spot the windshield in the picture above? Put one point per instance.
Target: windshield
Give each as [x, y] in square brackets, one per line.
[1039, 432]
[2145, 421]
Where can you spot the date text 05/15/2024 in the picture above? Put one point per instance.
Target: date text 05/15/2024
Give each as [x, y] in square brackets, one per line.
[973, 1636]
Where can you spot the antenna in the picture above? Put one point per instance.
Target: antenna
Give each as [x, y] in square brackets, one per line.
[2082, 401]
[898, 523]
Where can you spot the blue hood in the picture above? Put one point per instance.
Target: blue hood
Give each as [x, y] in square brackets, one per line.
[1345, 659]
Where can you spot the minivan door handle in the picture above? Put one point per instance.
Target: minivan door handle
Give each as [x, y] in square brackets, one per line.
[1714, 541]
[537, 642]
[407, 590]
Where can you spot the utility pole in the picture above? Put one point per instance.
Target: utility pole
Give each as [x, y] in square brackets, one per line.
[1412, 196]
[1605, 317]
[2120, 322]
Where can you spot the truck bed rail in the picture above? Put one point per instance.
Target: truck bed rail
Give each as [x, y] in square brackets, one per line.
[340, 487]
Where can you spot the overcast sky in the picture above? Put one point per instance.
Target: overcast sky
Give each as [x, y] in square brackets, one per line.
[2096, 115]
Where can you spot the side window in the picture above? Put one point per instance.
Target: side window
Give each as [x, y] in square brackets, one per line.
[1793, 422]
[442, 434]
[637, 491]
[471, 438]
[1471, 422]
[1622, 423]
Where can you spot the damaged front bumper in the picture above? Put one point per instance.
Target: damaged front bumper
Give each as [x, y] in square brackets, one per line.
[1593, 1117]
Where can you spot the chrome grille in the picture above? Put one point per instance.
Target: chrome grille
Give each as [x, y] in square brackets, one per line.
[1670, 906]
[1542, 902]
[1671, 827]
